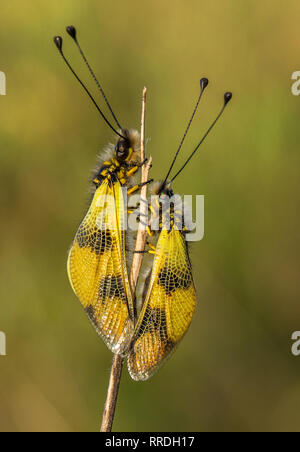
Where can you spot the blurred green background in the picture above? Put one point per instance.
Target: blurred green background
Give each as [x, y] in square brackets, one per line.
[234, 371]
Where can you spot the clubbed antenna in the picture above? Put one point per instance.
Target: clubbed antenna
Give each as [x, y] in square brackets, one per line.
[71, 30]
[58, 41]
[227, 97]
[203, 84]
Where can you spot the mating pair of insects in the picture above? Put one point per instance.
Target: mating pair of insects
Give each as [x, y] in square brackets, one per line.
[98, 265]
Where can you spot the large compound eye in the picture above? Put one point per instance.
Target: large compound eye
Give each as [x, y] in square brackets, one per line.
[122, 149]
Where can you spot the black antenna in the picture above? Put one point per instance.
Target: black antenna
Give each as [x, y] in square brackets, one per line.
[203, 84]
[227, 97]
[71, 30]
[58, 42]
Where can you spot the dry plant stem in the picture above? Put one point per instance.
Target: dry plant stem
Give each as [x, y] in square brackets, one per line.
[112, 394]
[117, 364]
[142, 230]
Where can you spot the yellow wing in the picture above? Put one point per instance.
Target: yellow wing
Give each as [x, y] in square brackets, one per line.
[97, 268]
[168, 308]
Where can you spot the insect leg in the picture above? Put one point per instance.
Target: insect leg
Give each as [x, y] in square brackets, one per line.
[138, 187]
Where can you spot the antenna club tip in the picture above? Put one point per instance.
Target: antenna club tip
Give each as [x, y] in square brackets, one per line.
[71, 30]
[203, 83]
[58, 41]
[227, 97]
